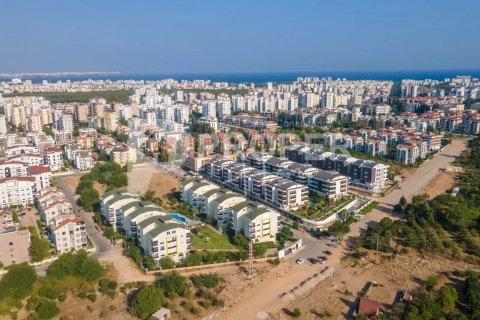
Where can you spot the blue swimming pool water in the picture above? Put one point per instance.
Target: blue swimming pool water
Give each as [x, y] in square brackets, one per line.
[178, 217]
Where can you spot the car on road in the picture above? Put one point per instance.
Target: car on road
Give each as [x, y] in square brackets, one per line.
[327, 252]
[300, 261]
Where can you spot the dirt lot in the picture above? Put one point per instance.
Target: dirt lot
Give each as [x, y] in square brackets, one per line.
[440, 184]
[73, 181]
[337, 295]
[163, 184]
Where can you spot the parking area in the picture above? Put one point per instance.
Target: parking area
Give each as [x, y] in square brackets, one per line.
[28, 217]
[312, 248]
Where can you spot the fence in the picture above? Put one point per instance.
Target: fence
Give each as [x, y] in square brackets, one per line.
[290, 249]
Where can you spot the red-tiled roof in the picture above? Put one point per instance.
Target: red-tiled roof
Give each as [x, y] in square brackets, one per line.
[67, 221]
[17, 178]
[368, 307]
[39, 169]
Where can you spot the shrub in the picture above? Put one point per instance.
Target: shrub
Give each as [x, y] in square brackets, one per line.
[50, 289]
[147, 300]
[210, 280]
[167, 263]
[296, 313]
[108, 287]
[78, 265]
[17, 283]
[62, 297]
[92, 297]
[173, 284]
[47, 309]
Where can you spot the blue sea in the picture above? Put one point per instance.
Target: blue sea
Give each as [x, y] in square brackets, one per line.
[396, 76]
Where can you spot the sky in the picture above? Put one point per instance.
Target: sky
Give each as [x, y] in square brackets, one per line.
[229, 36]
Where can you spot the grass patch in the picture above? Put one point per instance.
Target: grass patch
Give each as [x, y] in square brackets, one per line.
[216, 240]
[368, 208]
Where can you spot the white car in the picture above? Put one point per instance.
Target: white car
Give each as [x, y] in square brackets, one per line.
[300, 261]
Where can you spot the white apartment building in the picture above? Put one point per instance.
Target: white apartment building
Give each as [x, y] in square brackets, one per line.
[20, 150]
[68, 234]
[113, 200]
[54, 158]
[162, 236]
[17, 191]
[83, 160]
[42, 175]
[13, 169]
[3, 124]
[257, 222]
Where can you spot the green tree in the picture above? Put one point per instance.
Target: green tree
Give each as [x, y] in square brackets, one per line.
[284, 234]
[339, 229]
[47, 309]
[147, 300]
[448, 298]
[39, 248]
[17, 282]
[173, 284]
[76, 264]
[167, 263]
[89, 198]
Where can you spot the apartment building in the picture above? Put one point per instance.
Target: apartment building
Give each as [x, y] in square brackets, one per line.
[111, 201]
[42, 175]
[68, 234]
[17, 191]
[285, 194]
[123, 155]
[14, 245]
[21, 150]
[54, 158]
[162, 236]
[30, 159]
[131, 214]
[83, 160]
[257, 222]
[330, 184]
[13, 169]
[110, 121]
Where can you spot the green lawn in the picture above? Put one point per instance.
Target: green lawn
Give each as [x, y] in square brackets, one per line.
[216, 241]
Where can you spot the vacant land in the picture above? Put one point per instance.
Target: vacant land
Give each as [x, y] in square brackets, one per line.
[439, 185]
[337, 295]
[206, 238]
[73, 181]
[163, 184]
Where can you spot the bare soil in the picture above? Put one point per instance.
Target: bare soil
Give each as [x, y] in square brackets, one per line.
[163, 184]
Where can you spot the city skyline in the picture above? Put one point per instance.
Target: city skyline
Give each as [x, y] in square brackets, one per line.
[206, 37]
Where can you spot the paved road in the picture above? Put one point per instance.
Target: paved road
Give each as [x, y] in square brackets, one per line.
[103, 246]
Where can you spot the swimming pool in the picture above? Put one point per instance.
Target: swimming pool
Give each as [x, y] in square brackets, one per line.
[178, 217]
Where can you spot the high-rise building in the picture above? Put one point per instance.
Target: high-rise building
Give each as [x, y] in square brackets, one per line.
[110, 121]
[3, 124]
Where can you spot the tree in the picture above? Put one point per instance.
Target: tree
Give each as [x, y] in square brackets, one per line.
[339, 229]
[76, 264]
[89, 198]
[147, 300]
[47, 309]
[448, 298]
[173, 284]
[39, 248]
[296, 313]
[431, 282]
[17, 283]
[284, 234]
[167, 263]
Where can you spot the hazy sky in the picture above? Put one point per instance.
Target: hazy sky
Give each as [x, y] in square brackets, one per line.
[216, 36]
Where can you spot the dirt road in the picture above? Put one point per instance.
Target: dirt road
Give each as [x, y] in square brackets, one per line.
[264, 297]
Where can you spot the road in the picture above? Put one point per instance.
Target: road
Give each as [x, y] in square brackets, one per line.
[264, 298]
[103, 246]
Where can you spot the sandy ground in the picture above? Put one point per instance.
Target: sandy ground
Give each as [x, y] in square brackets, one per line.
[162, 184]
[337, 295]
[73, 181]
[442, 183]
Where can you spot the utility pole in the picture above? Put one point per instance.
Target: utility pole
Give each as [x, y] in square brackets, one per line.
[250, 260]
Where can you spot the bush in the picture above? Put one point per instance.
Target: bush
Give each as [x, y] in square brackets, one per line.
[17, 283]
[167, 263]
[82, 295]
[210, 280]
[173, 284]
[147, 300]
[47, 309]
[78, 265]
[108, 287]
[62, 297]
[50, 289]
[92, 297]
[296, 313]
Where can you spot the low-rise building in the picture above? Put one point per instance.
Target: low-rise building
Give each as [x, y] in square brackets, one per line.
[54, 158]
[68, 234]
[17, 191]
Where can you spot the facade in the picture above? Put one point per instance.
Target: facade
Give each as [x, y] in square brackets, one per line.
[42, 175]
[14, 246]
[332, 185]
[123, 155]
[83, 160]
[54, 158]
[68, 234]
[17, 191]
[113, 200]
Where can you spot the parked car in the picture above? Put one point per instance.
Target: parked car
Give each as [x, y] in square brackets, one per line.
[328, 253]
[313, 260]
[324, 258]
[300, 261]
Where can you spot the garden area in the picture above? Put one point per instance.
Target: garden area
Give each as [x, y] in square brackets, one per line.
[207, 238]
[318, 208]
